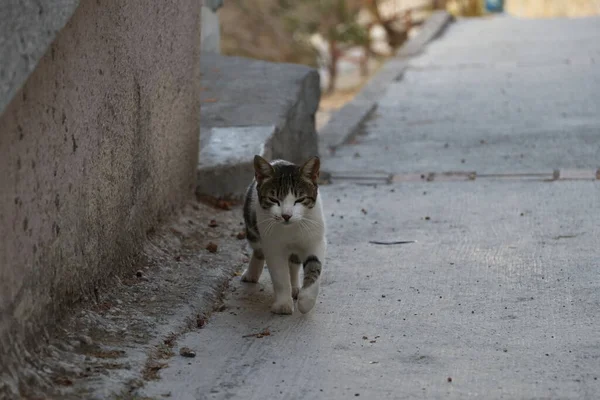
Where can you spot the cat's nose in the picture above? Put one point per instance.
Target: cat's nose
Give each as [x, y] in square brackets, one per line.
[286, 216]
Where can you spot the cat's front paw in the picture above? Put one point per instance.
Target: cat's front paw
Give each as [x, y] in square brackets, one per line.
[285, 307]
[248, 277]
[306, 301]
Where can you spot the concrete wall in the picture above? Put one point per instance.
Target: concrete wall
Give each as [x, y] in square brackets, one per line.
[27, 27]
[97, 146]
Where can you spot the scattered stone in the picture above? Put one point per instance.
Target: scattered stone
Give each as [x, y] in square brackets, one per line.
[63, 381]
[241, 236]
[84, 339]
[187, 352]
[449, 379]
[212, 247]
[139, 273]
[225, 205]
[66, 347]
[213, 223]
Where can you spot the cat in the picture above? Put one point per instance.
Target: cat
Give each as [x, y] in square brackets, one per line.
[285, 227]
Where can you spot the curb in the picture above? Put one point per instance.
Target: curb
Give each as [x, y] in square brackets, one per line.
[346, 122]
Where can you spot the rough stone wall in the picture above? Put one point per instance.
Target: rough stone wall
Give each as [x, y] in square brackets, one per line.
[97, 146]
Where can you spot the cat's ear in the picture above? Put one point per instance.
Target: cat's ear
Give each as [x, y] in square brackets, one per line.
[262, 169]
[310, 169]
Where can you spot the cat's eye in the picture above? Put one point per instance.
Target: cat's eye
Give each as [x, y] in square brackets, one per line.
[274, 200]
[300, 200]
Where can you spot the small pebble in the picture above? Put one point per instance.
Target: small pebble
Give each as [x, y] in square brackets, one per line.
[84, 339]
[187, 352]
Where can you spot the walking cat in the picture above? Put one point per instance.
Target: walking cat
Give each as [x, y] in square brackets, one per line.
[285, 226]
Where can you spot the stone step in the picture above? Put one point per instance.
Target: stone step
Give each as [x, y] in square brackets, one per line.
[252, 107]
[225, 167]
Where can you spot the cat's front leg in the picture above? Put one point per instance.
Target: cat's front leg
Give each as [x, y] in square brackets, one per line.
[255, 268]
[295, 264]
[280, 277]
[313, 264]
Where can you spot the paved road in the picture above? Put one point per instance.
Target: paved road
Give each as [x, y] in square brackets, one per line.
[500, 295]
[504, 95]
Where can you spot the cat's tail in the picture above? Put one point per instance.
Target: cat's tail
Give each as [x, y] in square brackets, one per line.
[310, 287]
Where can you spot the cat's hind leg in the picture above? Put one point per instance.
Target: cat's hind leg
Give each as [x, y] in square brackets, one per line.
[255, 268]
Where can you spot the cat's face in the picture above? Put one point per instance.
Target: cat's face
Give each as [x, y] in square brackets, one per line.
[285, 190]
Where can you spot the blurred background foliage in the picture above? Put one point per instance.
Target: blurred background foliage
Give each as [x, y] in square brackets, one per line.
[347, 40]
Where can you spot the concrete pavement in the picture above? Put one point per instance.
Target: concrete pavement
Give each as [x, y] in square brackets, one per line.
[504, 95]
[499, 296]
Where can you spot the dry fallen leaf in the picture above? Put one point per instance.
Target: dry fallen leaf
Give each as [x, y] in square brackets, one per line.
[263, 333]
[212, 247]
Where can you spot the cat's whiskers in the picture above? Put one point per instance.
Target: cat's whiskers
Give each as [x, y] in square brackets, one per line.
[270, 223]
[313, 223]
[302, 228]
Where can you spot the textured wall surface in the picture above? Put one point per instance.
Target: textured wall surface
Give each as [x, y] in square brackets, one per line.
[27, 27]
[97, 146]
